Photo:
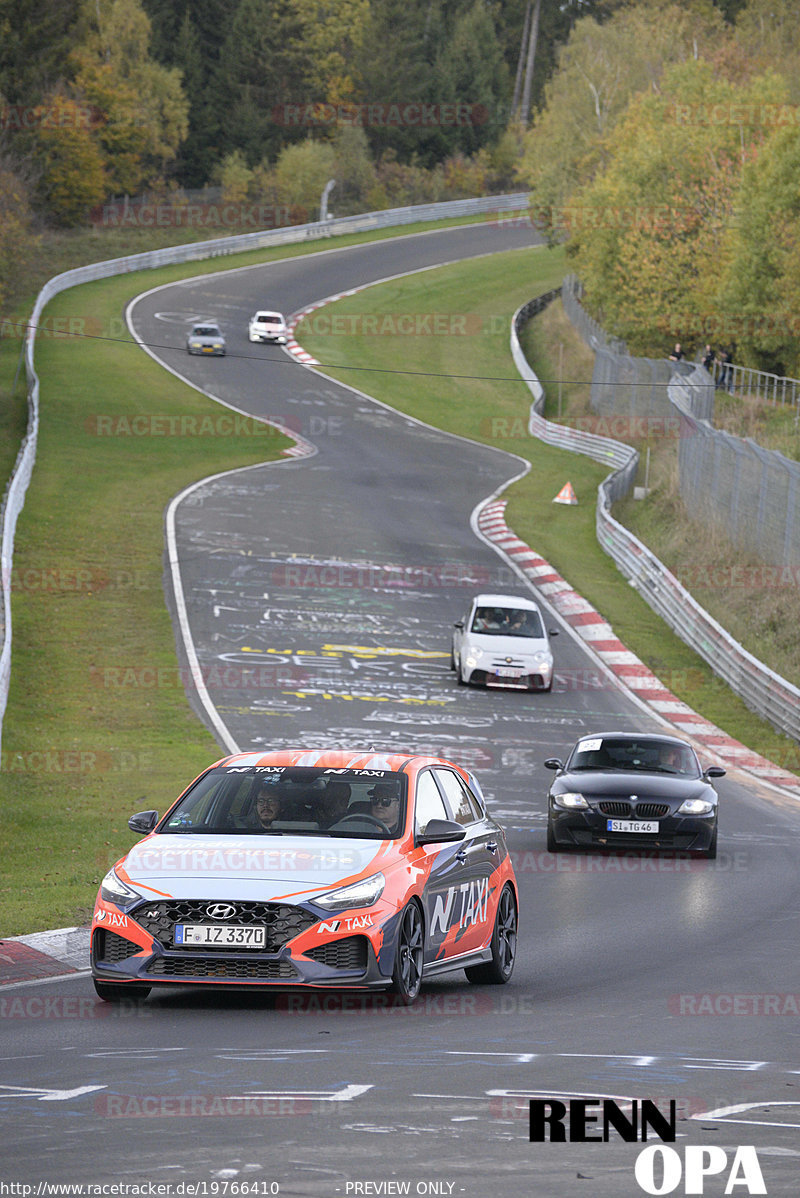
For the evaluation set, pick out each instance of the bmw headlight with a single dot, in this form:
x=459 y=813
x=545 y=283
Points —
x=696 y=807
x=359 y=894
x=114 y=890
x=571 y=801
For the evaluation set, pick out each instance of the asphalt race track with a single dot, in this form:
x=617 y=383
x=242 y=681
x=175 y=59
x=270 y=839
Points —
x=319 y=595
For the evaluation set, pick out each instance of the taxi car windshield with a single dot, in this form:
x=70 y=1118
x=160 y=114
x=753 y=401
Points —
x=291 y=800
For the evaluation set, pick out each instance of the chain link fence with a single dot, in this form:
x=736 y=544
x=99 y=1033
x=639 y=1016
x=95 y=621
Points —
x=765 y=692
x=751 y=494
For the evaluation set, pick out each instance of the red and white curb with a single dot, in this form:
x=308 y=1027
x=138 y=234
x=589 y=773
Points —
x=44 y=955
x=626 y=667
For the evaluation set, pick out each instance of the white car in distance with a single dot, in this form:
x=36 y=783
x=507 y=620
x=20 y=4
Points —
x=268 y=326
x=502 y=642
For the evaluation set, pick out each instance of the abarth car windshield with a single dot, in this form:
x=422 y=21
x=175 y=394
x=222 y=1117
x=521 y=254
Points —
x=507 y=621
x=292 y=800
x=628 y=753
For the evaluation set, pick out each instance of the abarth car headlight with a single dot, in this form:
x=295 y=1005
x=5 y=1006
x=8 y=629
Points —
x=359 y=894
x=571 y=801
x=114 y=890
x=696 y=807
x=473 y=657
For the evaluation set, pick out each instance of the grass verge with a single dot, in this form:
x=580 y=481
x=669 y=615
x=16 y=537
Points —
x=478 y=298
x=98 y=724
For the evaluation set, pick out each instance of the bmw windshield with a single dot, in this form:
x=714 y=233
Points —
x=628 y=753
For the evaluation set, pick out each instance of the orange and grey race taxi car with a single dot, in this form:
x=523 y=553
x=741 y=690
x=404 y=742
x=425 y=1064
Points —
x=318 y=869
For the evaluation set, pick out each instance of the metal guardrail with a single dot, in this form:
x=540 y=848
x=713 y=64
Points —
x=219 y=247
x=768 y=694
x=776 y=389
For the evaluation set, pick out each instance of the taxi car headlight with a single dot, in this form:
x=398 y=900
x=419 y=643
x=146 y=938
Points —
x=114 y=890
x=571 y=801
x=696 y=807
x=359 y=894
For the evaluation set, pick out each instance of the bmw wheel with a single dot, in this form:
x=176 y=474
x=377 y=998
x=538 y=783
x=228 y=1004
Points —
x=504 y=945
x=407 y=975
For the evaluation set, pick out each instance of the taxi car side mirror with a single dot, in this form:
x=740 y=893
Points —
x=143 y=821
x=439 y=831
x=554 y=763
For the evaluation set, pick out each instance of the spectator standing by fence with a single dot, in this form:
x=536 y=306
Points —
x=725 y=370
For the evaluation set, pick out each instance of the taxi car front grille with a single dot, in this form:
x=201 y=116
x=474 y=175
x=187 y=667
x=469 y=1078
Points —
x=348 y=953
x=111 y=948
x=282 y=920
x=624 y=810
x=230 y=968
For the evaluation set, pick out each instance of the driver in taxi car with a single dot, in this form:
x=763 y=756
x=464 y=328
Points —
x=384 y=802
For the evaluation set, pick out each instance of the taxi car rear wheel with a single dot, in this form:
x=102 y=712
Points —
x=120 y=992
x=407 y=975
x=504 y=945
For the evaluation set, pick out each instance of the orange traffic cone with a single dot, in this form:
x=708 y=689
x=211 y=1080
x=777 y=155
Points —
x=566 y=495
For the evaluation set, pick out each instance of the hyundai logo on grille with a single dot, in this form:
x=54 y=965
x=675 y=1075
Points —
x=221 y=911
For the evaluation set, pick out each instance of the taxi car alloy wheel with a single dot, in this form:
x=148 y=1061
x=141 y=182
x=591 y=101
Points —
x=407 y=976
x=504 y=945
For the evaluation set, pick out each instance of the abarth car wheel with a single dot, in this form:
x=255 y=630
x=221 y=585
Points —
x=504 y=945
x=407 y=976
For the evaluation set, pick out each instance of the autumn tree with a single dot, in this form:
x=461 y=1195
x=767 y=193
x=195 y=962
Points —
x=16 y=229
x=143 y=110
x=760 y=292
x=649 y=236
x=600 y=69
x=67 y=159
